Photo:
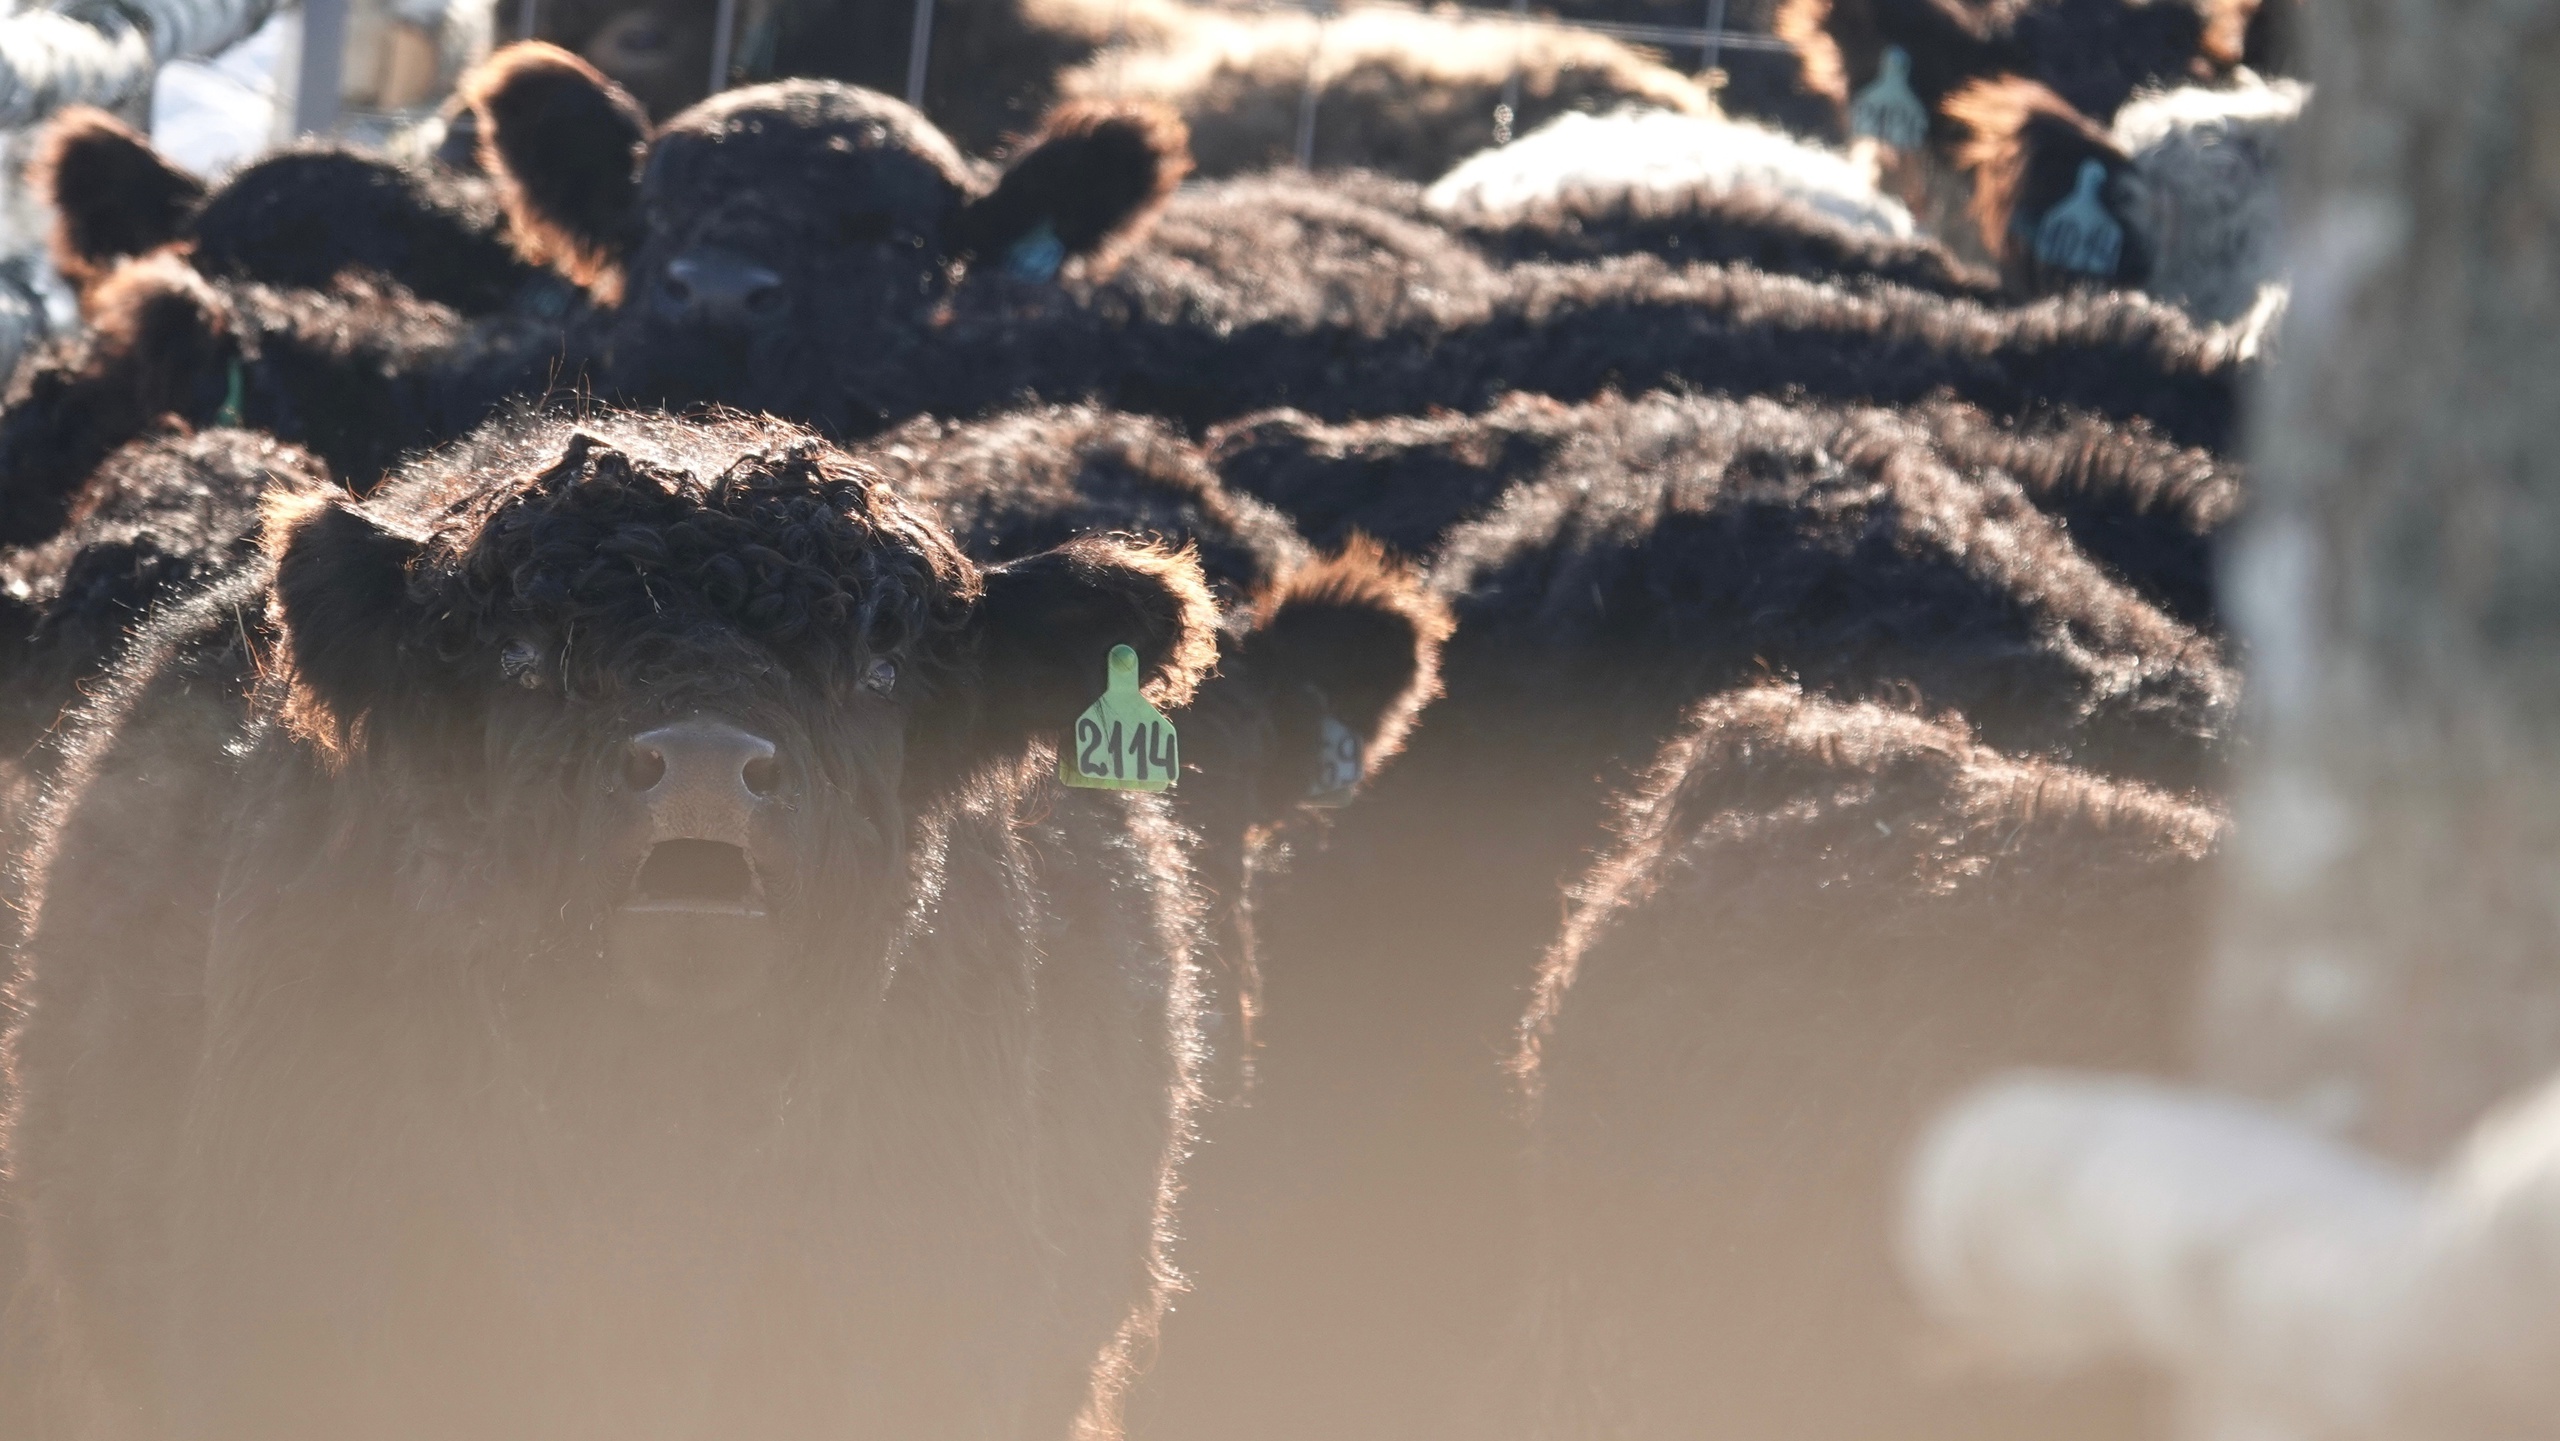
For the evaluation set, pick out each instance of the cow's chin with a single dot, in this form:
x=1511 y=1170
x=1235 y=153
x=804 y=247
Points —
x=693 y=932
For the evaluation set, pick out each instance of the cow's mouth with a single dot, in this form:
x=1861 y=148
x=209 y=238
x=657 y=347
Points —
x=696 y=877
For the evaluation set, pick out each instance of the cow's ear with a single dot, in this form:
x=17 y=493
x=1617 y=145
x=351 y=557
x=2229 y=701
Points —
x=1089 y=183
x=2025 y=146
x=566 y=147
x=1321 y=691
x=113 y=196
x=341 y=597
x=1039 y=641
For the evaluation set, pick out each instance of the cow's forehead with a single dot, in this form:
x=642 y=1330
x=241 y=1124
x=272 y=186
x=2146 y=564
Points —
x=804 y=133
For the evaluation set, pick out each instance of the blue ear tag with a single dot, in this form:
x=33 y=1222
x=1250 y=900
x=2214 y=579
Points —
x=1338 y=765
x=1036 y=256
x=235 y=381
x=2079 y=234
x=1887 y=110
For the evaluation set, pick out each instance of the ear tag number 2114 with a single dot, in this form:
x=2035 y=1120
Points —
x=1121 y=743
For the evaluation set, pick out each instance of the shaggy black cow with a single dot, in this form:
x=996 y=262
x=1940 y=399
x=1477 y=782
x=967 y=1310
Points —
x=167 y=517
x=2144 y=508
x=297 y=219
x=794 y=248
x=1816 y=923
x=1356 y=1222
x=360 y=373
x=1324 y=663
x=582 y=943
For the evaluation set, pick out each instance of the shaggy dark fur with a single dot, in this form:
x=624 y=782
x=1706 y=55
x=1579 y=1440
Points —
x=2150 y=511
x=359 y=373
x=297 y=219
x=1816 y=923
x=1758 y=228
x=2142 y=507
x=1405 y=480
x=160 y=520
x=1253 y=294
x=1312 y=649
x=1357 y=1221
x=356 y=1100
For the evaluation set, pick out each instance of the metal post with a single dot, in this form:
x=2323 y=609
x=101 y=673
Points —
x=1307 y=97
x=724 y=38
x=919 y=50
x=321 y=73
x=1506 y=117
x=1715 y=36
x=528 y=15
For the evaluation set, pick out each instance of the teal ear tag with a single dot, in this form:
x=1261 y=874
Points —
x=1121 y=743
x=1037 y=255
x=234 y=383
x=2079 y=234
x=1887 y=110
x=1339 y=765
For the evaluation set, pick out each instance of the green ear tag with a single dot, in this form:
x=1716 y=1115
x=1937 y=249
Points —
x=2079 y=234
x=235 y=382
x=1887 y=110
x=1338 y=765
x=1121 y=743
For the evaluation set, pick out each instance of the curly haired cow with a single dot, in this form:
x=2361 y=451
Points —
x=1357 y=1221
x=2146 y=509
x=2192 y=178
x=1325 y=663
x=582 y=942
x=165 y=517
x=1816 y=921
x=360 y=373
x=296 y=220
x=794 y=248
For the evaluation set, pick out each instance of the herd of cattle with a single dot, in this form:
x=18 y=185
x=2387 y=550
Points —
x=536 y=687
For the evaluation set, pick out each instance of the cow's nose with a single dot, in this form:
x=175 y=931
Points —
x=718 y=287
x=701 y=779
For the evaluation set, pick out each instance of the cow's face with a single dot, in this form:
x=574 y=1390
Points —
x=771 y=243
x=656 y=700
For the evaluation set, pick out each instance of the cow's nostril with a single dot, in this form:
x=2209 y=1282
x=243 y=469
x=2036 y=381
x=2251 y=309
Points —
x=643 y=766
x=763 y=776
x=765 y=299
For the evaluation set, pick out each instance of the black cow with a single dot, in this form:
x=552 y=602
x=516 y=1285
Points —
x=582 y=943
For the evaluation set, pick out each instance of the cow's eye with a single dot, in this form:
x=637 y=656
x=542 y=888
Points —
x=521 y=662
x=881 y=678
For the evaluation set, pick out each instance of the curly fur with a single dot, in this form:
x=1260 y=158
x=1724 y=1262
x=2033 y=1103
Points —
x=1670 y=547
x=359 y=372
x=297 y=219
x=1259 y=292
x=2144 y=508
x=1351 y=638
x=1815 y=922
x=334 y=886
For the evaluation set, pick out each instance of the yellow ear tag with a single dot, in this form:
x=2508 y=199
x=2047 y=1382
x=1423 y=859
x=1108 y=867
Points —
x=1121 y=743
